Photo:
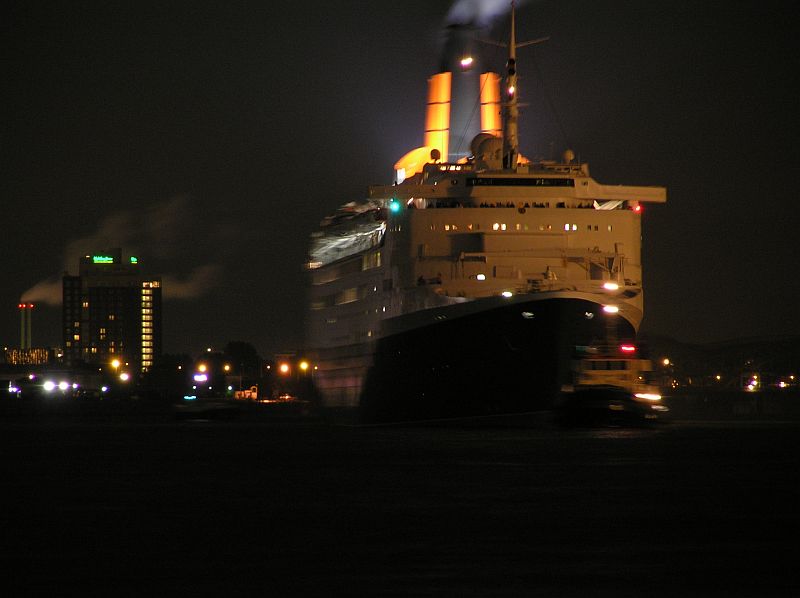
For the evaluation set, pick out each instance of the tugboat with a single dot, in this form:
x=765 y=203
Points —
x=612 y=384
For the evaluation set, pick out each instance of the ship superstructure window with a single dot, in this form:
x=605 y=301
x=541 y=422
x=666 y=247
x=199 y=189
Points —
x=347 y=296
x=520 y=182
x=570 y=227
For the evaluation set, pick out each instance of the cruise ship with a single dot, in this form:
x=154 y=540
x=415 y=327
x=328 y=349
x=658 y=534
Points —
x=465 y=286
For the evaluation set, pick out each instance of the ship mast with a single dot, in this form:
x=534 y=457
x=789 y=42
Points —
x=510 y=106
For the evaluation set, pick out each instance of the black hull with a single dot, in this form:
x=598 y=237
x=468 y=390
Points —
x=510 y=359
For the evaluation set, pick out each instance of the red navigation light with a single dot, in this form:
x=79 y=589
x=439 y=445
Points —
x=30 y=305
x=627 y=348
x=637 y=208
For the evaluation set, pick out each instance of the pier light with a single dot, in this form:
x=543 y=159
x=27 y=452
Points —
x=284 y=368
x=63 y=385
x=49 y=385
x=666 y=361
x=303 y=365
x=124 y=376
x=466 y=62
x=202 y=367
x=115 y=363
x=507 y=294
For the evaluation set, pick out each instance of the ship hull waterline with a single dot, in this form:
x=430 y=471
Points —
x=512 y=358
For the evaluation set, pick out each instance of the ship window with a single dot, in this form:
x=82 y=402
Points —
x=609 y=228
x=595 y=227
x=347 y=296
x=496 y=226
x=518 y=226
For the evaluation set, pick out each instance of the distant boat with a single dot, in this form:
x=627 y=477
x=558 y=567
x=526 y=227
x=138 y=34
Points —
x=464 y=287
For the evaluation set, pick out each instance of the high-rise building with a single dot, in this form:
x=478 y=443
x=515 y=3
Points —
x=111 y=312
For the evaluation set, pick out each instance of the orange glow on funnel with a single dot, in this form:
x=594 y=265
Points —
x=490 y=104
x=437 y=117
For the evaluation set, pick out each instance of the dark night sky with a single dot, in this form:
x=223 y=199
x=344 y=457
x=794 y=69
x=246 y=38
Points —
x=211 y=139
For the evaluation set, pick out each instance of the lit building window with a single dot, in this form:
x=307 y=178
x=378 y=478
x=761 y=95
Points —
x=85 y=304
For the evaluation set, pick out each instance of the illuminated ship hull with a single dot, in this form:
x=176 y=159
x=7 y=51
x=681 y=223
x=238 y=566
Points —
x=464 y=288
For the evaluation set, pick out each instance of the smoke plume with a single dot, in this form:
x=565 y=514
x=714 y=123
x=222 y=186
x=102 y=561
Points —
x=478 y=13
x=167 y=235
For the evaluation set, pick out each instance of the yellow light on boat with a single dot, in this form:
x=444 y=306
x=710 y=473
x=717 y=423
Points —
x=284 y=368
x=648 y=396
x=303 y=365
x=507 y=294
x=611 y=309
x=610 y=286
